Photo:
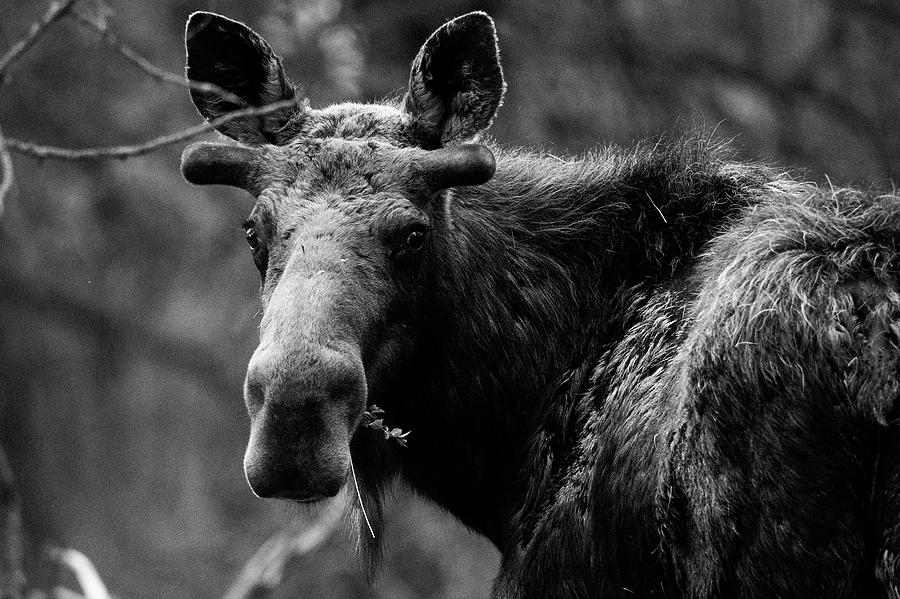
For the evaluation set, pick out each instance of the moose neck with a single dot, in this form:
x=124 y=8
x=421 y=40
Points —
x=533 y=266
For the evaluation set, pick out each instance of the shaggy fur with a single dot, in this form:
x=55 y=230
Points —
x=644 y=373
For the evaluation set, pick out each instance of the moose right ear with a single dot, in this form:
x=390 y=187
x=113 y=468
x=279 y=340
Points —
x=236 y=58
x=456 y=82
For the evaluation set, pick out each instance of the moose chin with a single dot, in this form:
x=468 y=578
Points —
x=652 y=372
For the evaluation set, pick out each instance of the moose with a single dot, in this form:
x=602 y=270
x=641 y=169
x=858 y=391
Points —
x=646 y=372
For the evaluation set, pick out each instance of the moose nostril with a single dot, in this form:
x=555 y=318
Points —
x=254 y=395
x=255 y=383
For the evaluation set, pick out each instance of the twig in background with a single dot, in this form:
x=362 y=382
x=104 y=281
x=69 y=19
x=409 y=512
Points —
x=12 y=574
x=6 y=176
x=263 y=573
x=113 y=41
x=58 y=10
x=55 y=11
x=92 y=586
x=58 y=592
x=105 y=153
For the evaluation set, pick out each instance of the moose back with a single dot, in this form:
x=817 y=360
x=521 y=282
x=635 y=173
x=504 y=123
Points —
x=653 y=372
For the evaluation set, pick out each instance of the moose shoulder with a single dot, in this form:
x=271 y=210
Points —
x=655 y=372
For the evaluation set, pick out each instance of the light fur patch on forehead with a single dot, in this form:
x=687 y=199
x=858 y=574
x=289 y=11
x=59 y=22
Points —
x=355 y=121
x=338 y=167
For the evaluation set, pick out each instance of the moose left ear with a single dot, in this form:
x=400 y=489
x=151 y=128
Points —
x=456 y=82
x=236 y=58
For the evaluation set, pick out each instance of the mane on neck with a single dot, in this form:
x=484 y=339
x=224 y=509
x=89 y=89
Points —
x=536 y=270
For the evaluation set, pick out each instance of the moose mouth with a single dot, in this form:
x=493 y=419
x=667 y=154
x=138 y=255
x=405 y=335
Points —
x=304 y=472
x=286 y=494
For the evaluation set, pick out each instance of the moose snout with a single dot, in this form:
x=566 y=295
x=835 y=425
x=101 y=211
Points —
x=303 y=406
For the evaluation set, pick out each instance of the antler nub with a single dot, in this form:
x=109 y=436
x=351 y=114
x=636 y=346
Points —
x=466 y=164
x=207 y=163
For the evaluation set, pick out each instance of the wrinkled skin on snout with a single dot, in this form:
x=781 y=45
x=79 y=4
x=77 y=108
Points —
x=326 y=288
x=306 y=385
x=348 y=216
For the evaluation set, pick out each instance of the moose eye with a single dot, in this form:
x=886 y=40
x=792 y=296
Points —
x=416 y=240
x=252 y=239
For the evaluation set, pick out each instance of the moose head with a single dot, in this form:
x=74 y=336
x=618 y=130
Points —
x=347 y=230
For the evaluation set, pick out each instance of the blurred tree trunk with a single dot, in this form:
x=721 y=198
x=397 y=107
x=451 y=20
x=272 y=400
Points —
x=12 y=577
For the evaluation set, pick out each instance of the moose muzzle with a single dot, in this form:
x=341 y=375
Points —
x=303 y=403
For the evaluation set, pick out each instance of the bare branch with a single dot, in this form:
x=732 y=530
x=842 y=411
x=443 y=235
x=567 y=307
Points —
x=113 y=41
x=12 y=574
x=92 y=586
x=6 y=176
x=55 y=11
x=61 y=592
x=263 y=573
x=105 y=153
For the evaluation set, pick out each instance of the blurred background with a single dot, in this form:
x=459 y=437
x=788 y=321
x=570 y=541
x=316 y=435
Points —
x=128 y=297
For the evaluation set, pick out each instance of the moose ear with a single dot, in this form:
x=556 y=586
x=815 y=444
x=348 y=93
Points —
x=237 y=59
x=456 y=82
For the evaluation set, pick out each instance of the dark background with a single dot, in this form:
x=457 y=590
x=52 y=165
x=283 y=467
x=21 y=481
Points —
x=129 y=298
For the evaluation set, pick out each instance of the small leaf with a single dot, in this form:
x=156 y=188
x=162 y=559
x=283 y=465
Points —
x=395 y=432
x=376 y=424
x=402 y=441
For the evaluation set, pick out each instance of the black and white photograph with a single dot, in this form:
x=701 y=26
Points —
x=392 y=299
